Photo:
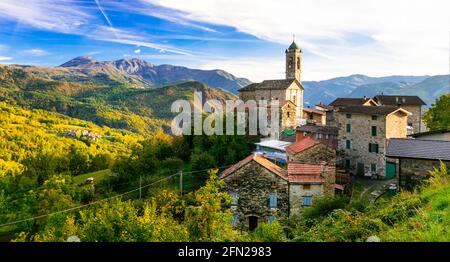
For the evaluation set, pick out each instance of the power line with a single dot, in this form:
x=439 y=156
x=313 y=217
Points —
x=85 y=205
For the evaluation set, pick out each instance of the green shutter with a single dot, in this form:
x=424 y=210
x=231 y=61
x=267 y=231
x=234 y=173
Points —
x=374 y=117
x=370 y=147
x=376 y=148
x=349 y=128
x=373 y=167
x=349 y=115
x=347 y=144
x=374 y=130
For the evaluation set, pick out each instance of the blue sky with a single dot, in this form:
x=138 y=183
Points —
x=246 y=38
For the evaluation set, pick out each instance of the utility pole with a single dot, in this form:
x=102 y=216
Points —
x=140 y=187
x=181 y=183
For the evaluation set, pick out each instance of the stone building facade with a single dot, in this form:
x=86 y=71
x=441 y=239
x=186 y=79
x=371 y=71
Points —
x=307 y=182
x=363 y=133
x=255 y=181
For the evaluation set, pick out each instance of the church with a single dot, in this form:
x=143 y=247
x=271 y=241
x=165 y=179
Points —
x=288 y=91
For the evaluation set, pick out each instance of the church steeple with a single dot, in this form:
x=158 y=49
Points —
x=293 y=61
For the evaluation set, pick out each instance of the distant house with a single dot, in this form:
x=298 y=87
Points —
x=441 y=134
x=327 y=134
x=412 y=104
x=314 y=116
x=273 y=149
x=311 y=151
x=263 y=192
x=363 y=134
x=344 y=102
x=417 y=158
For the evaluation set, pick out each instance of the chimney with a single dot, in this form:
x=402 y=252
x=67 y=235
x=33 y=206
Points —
x=365 y=97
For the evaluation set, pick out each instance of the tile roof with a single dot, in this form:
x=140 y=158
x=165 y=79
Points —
x=306 y=173
x=301 y=145
x=330 y=130
x=399 y=100
x=422 y=149
x=260 y=160
x=270 y=84
x=370 y=110
x=344 y=101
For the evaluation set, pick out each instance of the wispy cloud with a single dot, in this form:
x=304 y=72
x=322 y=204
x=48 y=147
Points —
x=61 y=16
x=35 y=52
x=5 y=58
x=137 y=51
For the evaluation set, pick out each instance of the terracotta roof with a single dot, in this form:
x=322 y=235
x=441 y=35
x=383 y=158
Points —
x=301 y=145
x=306 y=173
x=330 y=130
x=315 y=111
x=371 y=110
x=260 y=160
x=399 y=100
x=349 y=101
x=270 y=84
x=421 y=149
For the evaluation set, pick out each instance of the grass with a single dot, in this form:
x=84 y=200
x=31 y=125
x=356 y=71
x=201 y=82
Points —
x=98 y=176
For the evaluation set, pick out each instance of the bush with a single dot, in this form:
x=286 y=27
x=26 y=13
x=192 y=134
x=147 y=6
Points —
x=323 y=206
x=268 y=233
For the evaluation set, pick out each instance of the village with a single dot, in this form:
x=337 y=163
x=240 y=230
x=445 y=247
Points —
x=379 y=141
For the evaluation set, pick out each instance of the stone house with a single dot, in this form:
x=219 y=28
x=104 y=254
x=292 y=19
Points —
x=259 y=191
x=441 y=134
x=363 y=134
x=311 y=151
x=288 y=91
x=314 y=116
x=412 y=104
x=327 y=134
x=342 y=102
x=262 y=191
x=416 y=158
x=307 y=182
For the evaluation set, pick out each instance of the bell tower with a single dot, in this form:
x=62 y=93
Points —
x=293 y=61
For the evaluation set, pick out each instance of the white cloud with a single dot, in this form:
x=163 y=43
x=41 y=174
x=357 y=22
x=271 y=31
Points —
x=137 y=51
x=5 y=58
x=339 y=37
x=35 y=52
x=62 y=16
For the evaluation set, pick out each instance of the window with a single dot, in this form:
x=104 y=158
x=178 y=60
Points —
x=349 y=128
x=306 y=187
x=272 y=201
x=373 y=148
x=288 y=114
x=347 y=163
x=374 y=117
x=273 y=184
x=349 y=115
x=307 y=200
x=235 y=182
x=298 y=62
x=235 y=219
x=374 y=130
x=234 y=199
x=271 y=219
x=347 y=144
x=373 y=168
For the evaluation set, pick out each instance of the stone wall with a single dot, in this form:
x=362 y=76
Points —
x=297 y=192
x=413 y=172
x=360 y=137
x=314 y=155
x=288 y=116
x=254 y=185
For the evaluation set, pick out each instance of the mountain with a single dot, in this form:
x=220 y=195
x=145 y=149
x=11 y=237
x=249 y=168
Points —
x=137 y=71
x=140 y=110
x=427 y=87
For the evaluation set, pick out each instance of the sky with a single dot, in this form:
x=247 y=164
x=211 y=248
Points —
x=246 y=38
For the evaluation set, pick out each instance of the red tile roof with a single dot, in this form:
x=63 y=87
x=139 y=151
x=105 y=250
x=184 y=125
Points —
x=302 y=145
x=306 y=173
x=260 y=160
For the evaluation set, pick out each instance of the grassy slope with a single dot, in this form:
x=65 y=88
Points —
x=98 y=176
